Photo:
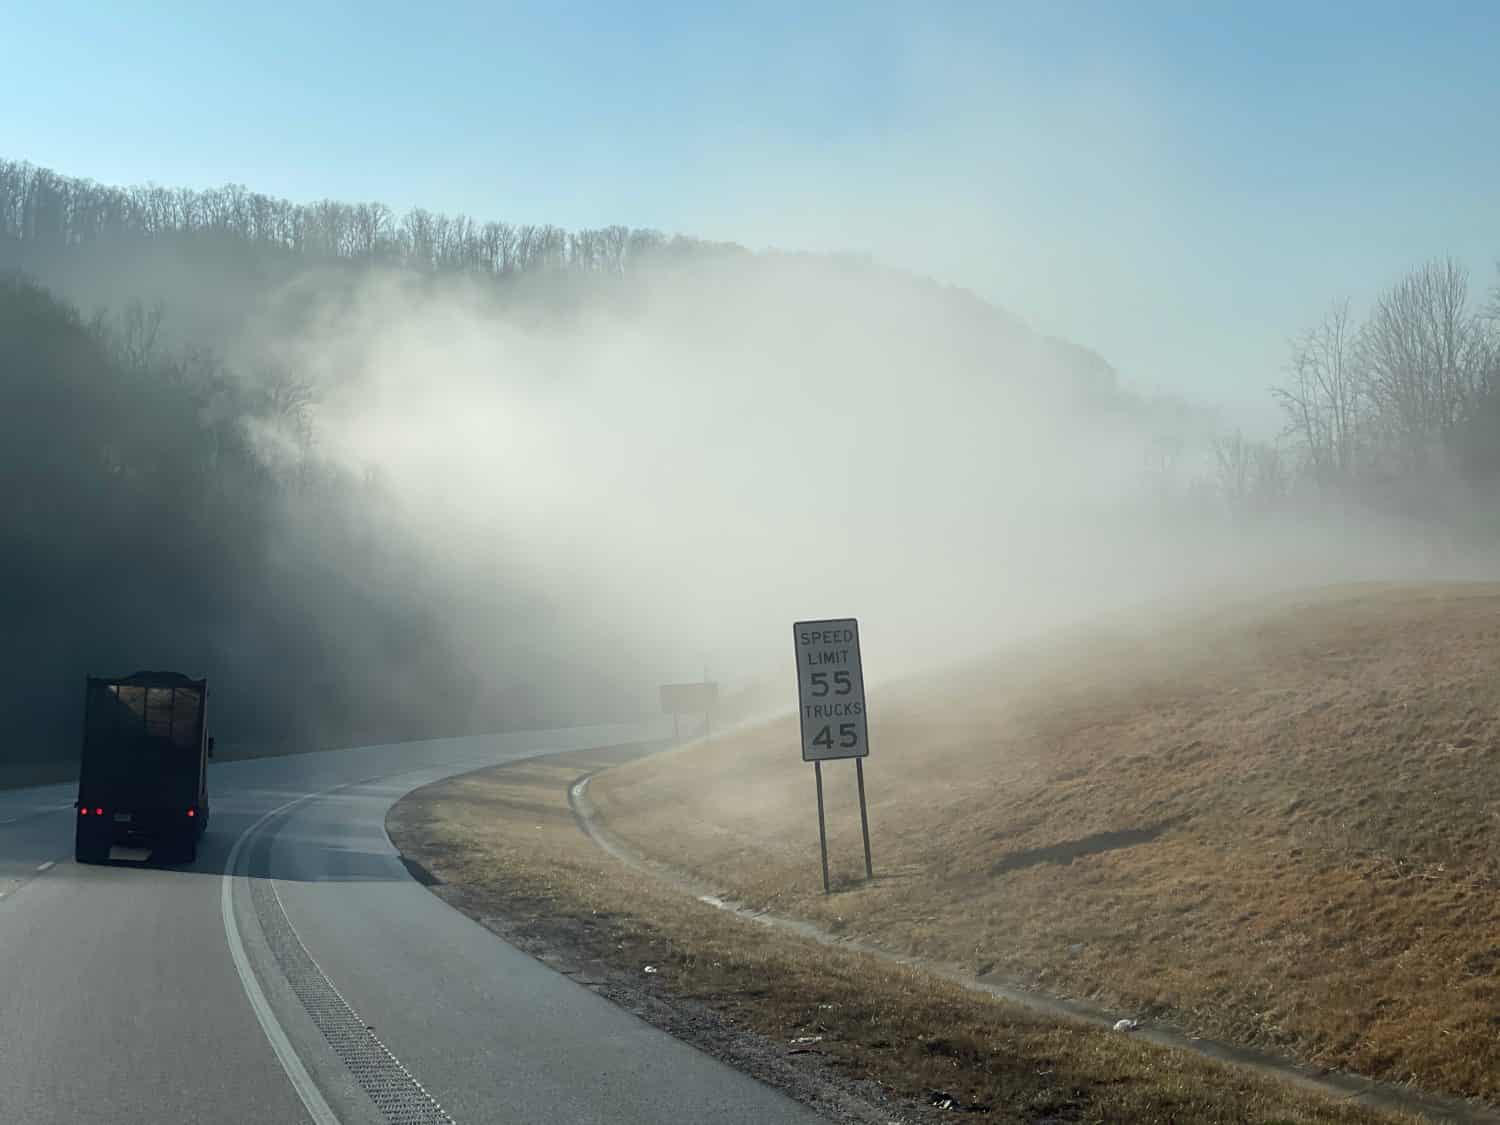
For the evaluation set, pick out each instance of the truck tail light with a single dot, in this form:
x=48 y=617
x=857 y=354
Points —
x=98 y=812
x=83 y=811
x=192 y=812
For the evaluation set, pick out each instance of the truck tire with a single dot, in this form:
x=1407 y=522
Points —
x=179 y=848
x=89 y=844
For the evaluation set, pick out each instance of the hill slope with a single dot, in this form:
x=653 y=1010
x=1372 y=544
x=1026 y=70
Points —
x=1277 y=824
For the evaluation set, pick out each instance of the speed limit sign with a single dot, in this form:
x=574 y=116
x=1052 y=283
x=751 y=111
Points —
x=830 y=690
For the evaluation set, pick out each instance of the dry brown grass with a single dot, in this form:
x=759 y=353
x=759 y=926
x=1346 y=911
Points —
x=508 y=848
x=1278 y=825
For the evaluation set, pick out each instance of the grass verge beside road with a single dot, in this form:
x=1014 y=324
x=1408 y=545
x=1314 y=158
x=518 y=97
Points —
x=854 y=1035
x=1277 y=825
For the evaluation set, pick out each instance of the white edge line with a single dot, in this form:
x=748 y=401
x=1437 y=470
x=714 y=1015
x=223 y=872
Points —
x=399 y=1065
x=312 y=1098
x=302 y=1082
x=44 y=866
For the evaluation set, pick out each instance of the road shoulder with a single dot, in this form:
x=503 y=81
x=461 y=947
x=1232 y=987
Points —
x=857 y=1038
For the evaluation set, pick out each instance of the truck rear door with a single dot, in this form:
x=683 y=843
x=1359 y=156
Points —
x=144 y=747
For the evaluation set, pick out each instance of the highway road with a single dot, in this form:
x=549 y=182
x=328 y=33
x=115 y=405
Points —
x=296 y=972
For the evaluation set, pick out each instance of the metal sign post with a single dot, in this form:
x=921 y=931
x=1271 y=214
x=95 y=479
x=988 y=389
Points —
x=699 y=698
x=831 y=705
x=864 y=818
x=822 y=825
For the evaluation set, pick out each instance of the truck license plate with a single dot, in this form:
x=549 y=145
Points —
x=122 y=818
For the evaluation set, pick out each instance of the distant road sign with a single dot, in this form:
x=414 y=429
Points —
x=688 y=699
x=830 y=690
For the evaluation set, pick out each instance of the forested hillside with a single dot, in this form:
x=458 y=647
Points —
x=383 y=476
x=145 y=528
x=176 y=495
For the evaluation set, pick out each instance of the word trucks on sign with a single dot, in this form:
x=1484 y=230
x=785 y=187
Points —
x=830 y=690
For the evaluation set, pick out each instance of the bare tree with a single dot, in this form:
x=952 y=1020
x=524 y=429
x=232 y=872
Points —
x=1425 y=354
x=1162 y=455
x=1250 y=476
x=614 y=240
x=526 y=246
x=290 y=398
x=418 y=235
x=500 y=246
x=136 y=338
x=1476 y=444
x=1323 y=399
x=1234 y=462
x=1491 y=336
x=1271 y=481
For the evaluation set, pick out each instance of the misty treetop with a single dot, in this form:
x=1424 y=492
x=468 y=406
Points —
x=50 y=211
x=208 y=252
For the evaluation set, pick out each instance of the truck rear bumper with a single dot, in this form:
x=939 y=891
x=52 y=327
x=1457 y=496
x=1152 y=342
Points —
x=134 y=828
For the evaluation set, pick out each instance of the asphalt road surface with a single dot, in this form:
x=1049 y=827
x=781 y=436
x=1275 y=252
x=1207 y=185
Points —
x=315 y=982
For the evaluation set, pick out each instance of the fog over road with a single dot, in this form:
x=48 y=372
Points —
x=320 y=982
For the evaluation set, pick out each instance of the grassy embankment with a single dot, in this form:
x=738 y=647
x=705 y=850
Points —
x=1276 y=826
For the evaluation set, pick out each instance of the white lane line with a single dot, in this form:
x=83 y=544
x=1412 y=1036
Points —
x=318 y=1108
x=44 y=866
x=38 y=811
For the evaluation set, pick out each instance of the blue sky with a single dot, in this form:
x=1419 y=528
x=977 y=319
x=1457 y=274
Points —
x=1179 y=186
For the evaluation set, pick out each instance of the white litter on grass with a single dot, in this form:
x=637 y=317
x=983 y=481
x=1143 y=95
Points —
x=650 y=969
x=1126 y=1025
x=802 y=1039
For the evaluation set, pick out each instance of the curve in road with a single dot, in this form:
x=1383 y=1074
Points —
x=297 y=972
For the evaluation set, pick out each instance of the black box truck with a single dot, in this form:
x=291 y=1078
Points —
x=143 y=776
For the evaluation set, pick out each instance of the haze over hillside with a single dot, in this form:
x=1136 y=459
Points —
x=1269 y=823
x=383 y=477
